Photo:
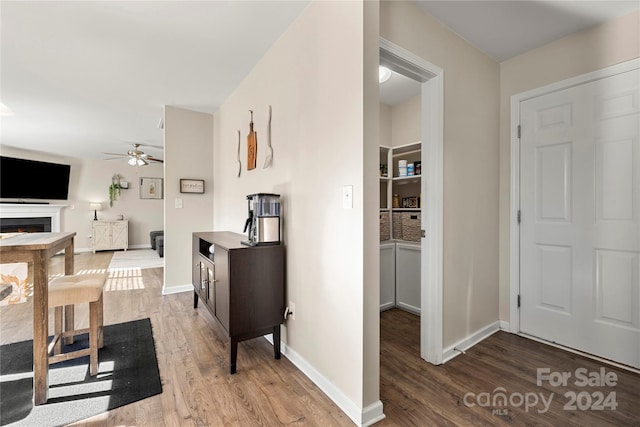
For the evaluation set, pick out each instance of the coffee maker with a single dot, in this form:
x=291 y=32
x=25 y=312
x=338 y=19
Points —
x=263 y=224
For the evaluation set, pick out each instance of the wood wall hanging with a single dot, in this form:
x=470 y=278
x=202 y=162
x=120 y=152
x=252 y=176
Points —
x=252 y=145
x=239 y=162
x=269 y=152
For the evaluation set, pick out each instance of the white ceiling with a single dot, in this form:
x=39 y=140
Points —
x=86 y=77
x=398 y=89
x=89 y=77
x=504 y=29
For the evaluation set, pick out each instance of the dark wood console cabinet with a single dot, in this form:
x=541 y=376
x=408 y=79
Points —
x=241 y=286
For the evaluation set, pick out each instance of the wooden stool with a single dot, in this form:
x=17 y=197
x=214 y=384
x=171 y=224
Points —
x=68 y=291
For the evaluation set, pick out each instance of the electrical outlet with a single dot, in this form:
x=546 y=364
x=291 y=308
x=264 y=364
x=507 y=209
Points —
x=292 y=310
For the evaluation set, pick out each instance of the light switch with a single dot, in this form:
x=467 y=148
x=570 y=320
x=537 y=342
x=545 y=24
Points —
x=178 y=203
x=347 y=197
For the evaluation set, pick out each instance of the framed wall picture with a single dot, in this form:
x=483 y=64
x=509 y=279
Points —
x=192 y=186
x=151 y=188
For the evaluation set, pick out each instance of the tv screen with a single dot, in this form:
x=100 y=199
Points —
x=31 y=179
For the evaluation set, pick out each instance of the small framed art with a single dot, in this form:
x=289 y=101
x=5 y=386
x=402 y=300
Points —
x=192 y=186
x=151 y=188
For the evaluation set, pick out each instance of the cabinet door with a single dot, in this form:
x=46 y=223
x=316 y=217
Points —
x=387 y=276
x=101 y=235
x=222 y=287
x=204 y=277
x=408 y=277
x=119 y=235
x=211 y=286
x=195 y=273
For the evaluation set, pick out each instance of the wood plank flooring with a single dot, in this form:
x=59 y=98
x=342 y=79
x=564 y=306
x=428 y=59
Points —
x=192 y=355
x=417 y=393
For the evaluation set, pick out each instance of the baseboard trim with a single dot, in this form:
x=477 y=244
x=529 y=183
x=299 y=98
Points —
x=505 y=326
x=361 y=417
x=473 y=339
x=146 y=246
x=372 y=414
x=168 y=290
x=409 y=308
x=79 y=250
x=387 y=306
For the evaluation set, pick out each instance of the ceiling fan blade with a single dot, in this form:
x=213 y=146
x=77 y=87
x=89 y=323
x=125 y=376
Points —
x=153 y=159
x=113 y=158
x=115 y=154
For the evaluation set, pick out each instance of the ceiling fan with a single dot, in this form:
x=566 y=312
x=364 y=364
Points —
x=136 y=157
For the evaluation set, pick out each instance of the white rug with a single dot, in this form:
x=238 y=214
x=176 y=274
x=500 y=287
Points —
x=137 y=258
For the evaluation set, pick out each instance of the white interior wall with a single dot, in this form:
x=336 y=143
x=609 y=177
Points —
x=188 y=150
x=471 y=117
x=371 y=405
x=385 y=125
x=313 y=79
x=406 y=122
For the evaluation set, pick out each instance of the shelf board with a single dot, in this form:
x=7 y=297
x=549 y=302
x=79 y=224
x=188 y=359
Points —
x=405 y=153
x=406 y=209
x=407 y=179
x=414 y=147
x=404 y=242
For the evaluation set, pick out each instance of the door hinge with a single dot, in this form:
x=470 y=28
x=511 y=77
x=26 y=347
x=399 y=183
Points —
x=519 y=216
x=423 y=233
x=518 y=300
x=519 y=131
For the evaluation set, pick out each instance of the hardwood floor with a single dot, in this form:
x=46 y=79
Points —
x=193 y=360
x=415 y=392
x=192 y=353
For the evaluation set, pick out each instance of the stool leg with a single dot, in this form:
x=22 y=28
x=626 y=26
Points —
x=100 y=311
x=57 y=329
x=69 y=322
x=93 y=338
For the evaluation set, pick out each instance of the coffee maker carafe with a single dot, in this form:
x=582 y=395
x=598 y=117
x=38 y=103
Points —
x=263 y=224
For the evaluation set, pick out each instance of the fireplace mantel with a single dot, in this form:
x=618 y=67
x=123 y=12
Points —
x=26 y=210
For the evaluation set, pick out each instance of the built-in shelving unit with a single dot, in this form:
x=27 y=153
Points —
x=400 y=229
x=405 y=187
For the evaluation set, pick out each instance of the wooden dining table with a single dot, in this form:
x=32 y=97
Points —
x=36 y=249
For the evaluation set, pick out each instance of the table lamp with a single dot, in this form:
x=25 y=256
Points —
x=95 y=207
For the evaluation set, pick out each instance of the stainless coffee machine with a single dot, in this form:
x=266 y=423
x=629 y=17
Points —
x=263 y=224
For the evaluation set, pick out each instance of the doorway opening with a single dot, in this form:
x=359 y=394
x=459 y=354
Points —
x=416 y=237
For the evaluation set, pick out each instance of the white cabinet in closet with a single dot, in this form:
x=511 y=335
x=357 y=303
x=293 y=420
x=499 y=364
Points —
x=387 y=275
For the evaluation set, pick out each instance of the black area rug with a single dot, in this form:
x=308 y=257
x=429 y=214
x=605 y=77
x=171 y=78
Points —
x=127 y=372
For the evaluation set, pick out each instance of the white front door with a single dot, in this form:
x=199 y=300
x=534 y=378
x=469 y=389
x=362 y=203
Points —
x=580 y=210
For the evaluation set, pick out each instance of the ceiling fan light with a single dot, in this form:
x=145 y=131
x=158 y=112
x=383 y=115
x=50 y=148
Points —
x=132 y=161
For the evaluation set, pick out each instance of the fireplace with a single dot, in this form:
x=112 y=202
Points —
x=25 y=225
x=29 y=218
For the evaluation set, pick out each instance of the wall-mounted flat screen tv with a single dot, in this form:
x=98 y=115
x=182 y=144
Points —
x=31 y=179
